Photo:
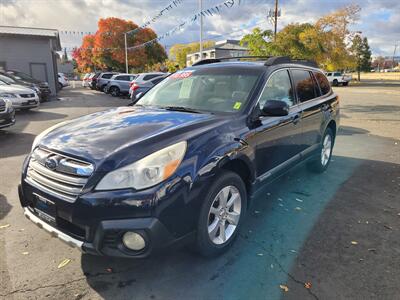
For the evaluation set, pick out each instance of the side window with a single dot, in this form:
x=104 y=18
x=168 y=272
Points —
x=338 y=74
x=132 y=77
x=323 y=83
x=278 y=88
x=148 y=77
x=124 y=78
x=107 y=76
x=304 y=85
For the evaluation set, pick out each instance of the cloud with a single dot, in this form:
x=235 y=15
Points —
x=379 y=20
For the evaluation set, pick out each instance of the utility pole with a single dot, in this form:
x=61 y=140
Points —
x=394 y=53
x=275 y=19
x=201 y=28
x=126 y=55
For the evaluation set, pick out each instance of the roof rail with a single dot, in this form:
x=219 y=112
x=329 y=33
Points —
x=215 y=60
x=269 y=60
x=276 y=60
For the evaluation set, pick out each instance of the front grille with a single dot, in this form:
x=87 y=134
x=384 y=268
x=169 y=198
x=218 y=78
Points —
x=58 y=175
x=2 y=105
x=27 y=95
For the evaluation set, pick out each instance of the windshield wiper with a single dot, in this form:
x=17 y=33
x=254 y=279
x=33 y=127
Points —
x=181 y=108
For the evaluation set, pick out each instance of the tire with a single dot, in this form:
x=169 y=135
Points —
x=346 y=83
x=60 y=86
x=321 y=163
x=335 y=82
x=114 y=91
x=210 y=239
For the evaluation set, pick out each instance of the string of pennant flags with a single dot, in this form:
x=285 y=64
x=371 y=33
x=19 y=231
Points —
x=208 y=12
x=170 y=6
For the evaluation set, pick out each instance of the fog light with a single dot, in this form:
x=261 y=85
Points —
x=133 y=241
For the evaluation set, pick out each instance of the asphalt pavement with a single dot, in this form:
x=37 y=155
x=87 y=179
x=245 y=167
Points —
x=329 y=236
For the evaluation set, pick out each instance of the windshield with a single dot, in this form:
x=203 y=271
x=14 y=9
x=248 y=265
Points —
x=6 y=79
x=213 y=90
x=20 y=75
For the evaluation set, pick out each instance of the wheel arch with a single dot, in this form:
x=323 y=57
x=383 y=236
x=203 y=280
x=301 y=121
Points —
x=244 y=170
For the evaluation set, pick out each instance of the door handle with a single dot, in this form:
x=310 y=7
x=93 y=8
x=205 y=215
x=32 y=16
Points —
x=296 y=119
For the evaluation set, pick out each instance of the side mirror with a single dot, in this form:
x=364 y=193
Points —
x=275 y=108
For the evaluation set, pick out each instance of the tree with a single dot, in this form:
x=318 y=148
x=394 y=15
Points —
x=362 y=54
x=178 y=52
x=106 y=48
x=259 y=42
x=365 y=56
x=324 y=41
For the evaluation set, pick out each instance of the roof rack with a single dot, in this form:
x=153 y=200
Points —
x=216 y=60
x=269 y=60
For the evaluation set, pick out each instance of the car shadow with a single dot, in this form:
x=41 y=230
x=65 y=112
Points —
x=349 y=130
x=282 y=219
x=15 y=143
x=5 y=207
x=38 y=115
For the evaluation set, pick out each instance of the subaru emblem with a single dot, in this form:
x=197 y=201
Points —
x=51 y=163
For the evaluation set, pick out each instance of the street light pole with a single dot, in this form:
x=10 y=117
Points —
x=126 y=55
x=201 y=28
x=276 y=19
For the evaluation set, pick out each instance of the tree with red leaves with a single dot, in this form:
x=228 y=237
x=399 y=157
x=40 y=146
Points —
x=105 y=50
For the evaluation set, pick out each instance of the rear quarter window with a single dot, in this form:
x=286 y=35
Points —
x=323 y=83
x=148 y=77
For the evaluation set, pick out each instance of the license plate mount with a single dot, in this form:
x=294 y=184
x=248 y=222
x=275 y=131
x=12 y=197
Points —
x=45 y=209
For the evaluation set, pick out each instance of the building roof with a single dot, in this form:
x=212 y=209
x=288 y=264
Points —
x=29 y=31
x=223 y=45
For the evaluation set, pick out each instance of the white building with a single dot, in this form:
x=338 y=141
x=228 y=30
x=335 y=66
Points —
x=226 y=48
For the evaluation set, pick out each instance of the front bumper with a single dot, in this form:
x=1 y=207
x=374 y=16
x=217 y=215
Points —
x=98 y=236
x=7 y=118
x=26 y=104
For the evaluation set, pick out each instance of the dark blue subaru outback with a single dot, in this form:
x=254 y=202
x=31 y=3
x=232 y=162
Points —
x=181 y=164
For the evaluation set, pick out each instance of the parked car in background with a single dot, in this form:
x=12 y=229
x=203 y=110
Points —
x=102 y=80
x=144 y=77
x=119 y=84
x=92 y=80
x=45 y=91
x=62 y=80
x=21 y=97
x=336 y=78
x=85 y=80
x=144 y=86
x=7 y=113
x=11 y=80
x=183 y=163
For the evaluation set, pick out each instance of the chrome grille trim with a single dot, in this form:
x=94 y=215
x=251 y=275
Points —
x=66 y=181
x=72 y=180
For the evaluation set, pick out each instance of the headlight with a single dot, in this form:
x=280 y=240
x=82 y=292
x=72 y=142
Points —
x=8 y=95
x=146 y=172
x=39 y=137
x=8 y=103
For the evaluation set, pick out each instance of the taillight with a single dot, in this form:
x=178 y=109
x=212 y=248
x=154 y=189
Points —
x=131 y=83
x=134 y=87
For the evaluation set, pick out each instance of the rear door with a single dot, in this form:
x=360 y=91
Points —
x=311 y=102
x=278 y=138
x=123 y=82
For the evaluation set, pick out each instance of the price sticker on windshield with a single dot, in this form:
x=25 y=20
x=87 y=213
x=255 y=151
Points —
x=237 y=105
x=182 y=74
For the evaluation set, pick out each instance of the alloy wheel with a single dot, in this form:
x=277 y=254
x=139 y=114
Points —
x=224 y=215
x=326 y=150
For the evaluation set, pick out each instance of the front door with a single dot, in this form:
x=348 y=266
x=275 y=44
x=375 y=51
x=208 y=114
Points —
x=278 y=138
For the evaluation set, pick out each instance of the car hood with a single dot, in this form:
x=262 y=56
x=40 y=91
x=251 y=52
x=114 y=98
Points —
x=15 y=88
x=126 y=131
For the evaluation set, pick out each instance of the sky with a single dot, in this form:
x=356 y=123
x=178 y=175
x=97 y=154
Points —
x=379 y=19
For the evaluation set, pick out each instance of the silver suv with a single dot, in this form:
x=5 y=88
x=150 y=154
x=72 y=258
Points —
x=103 y=79
x=119 y=84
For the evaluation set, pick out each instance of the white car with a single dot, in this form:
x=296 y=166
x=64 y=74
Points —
x=85 y=82
x=143 y=78
x=62 y=80
x=336 y=78
x=20 y=96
